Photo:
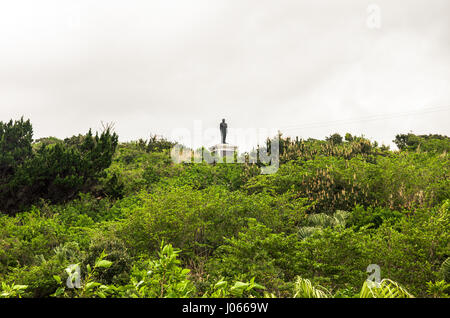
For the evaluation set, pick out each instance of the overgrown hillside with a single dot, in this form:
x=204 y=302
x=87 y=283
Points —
x=139 y=225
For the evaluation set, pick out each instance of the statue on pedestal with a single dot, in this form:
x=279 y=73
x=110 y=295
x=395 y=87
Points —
x=223 y=149
x=223 y=131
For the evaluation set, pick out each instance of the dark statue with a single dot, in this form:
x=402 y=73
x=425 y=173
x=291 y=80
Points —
x=223 y=130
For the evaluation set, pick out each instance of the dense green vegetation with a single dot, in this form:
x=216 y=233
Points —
x=139 y=225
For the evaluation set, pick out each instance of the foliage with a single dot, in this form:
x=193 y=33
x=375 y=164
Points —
x=334 y=139
x=445 y=270
x=439 y=289
x=385 y=289
x=318 y=221
x=117 y=253
x=311 y=229
x=89 y=288
x=15 y=145
x=155 y=144
x=372 y=217
x=198 y=220
x=400 y=181
x=55 y=172
x=304 y=150
x=416 y=244
x=38 y=274
x=163 y=278
x=12 y=291
x=222 y=289
x=256 y=251
x=46 y=141
x=304 y=289
x=432 y=143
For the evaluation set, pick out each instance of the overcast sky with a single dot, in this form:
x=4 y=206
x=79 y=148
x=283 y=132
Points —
x=308 y=68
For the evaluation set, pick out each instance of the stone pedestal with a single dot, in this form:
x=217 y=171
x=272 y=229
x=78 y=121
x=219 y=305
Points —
x=223 y=151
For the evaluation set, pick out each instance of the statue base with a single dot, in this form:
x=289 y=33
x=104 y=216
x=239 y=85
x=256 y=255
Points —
x=224 y=151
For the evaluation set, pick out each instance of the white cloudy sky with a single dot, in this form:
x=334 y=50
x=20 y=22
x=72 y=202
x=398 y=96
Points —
x=308 y=68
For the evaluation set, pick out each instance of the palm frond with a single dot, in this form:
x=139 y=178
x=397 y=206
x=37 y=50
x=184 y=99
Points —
x=340 y=218
x=303 y=288
x=445 y=270
x=307 y=231
x=320 y=219
x=385 y=289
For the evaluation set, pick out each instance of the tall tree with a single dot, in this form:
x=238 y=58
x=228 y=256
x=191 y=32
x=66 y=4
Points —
x=55 y=172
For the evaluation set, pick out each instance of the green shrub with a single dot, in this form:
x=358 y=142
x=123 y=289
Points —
x=56 y=172
x=39 y=275
x=197 y=220
x=257 y=252
x=118 y=272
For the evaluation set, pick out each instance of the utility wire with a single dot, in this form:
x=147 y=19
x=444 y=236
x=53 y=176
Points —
x=363 y=119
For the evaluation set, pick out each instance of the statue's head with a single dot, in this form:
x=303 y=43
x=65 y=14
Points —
x=223 y=120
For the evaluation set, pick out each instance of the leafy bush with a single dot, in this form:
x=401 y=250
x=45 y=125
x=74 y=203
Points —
x=118 y=272
x=311 y=229
x=12 y=291
x=432 y=143
x=372 y=217
x=198 y=220
x=38 y=276
x=89 y=288
x=438 y=289
x=163 y=278
x=54 y=172
x=400 y=181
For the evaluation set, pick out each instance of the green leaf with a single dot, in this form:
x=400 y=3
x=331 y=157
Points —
x=59 y=292
x=220 y=284
x=238 y=288
x=258 y=286
x=91 y=285
x=185 y=271
x=101 y=294
x=103 y=263
x=57 y=278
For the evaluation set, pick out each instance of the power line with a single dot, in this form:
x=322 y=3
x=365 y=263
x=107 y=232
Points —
x=363 y=119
